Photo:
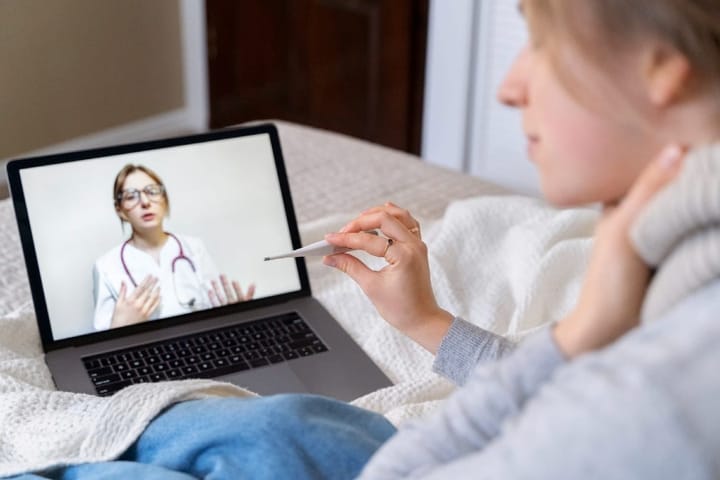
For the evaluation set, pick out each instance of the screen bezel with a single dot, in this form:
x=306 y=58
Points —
x=14 y=167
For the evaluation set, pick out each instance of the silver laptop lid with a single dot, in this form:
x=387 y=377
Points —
x=215 y=203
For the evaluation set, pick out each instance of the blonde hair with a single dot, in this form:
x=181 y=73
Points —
x=691 y=27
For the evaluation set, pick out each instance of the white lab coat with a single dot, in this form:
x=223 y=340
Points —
x=108 y=273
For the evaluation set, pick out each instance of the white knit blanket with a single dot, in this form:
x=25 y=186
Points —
x=509 y=264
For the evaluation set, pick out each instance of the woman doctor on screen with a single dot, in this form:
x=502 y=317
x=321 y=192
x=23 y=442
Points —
x=154 y=273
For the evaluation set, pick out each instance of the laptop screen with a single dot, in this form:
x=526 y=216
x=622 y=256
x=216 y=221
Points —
x=156 y=231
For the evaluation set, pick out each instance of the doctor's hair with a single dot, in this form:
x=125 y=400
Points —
x=122 y=176
x=604 y=29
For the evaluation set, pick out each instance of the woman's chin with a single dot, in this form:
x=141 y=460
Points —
x=148 y=226
x=562 y=198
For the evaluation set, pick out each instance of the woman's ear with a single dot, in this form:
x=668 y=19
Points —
x=667 y=73
x=121 y=214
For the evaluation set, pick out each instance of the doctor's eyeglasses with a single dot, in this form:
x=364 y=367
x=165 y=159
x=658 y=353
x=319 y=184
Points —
x=131 y=197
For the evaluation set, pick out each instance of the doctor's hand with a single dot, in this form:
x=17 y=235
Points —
x=138 y=305
x=225 y=292
x=401 y=291
x=617 y=277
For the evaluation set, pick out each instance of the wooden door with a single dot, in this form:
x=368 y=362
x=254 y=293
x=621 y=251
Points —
x=352 y=66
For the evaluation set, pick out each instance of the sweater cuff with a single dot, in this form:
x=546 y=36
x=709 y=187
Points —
x=465 y=346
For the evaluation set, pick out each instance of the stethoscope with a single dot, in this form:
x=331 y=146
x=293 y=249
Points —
x=181 y=256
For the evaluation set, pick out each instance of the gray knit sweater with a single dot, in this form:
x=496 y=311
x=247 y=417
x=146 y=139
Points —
x=644 y=407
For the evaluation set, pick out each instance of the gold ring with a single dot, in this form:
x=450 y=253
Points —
x=415 y=230
x=387 y=247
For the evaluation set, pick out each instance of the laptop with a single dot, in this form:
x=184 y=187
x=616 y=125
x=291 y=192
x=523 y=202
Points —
x=146 y=263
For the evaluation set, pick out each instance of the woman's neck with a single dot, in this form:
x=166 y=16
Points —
x=148 y=240
x=693 y=123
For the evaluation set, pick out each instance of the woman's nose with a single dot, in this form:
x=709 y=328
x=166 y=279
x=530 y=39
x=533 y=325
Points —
x=144 y=199
x=513 y=89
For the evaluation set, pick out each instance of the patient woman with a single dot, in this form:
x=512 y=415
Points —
x=621 y=106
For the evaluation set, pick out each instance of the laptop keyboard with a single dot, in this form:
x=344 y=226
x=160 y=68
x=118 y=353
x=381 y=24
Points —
x=205 y=354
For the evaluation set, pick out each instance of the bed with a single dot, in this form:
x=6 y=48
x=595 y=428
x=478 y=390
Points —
x=508 y=263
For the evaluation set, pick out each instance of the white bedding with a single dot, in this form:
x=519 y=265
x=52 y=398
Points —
x=507 y=263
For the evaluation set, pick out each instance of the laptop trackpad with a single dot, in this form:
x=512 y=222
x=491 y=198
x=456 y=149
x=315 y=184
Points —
x=268 y=380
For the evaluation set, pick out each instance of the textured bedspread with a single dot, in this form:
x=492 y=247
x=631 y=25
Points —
x=507 y=263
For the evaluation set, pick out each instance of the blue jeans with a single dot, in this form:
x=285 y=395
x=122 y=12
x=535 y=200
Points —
x=282 y=436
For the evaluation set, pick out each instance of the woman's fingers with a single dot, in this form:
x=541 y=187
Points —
x=401 y=214
x=250 y=292
x=138 y=290
x=217 y=291
x=405 y=217
x=353 y=267
x=387 y=223
x=214 y=300
x=367 y=242
x=142 y=290
x=151 y=303
x=230 y=294
x=239 y=293
x=139 y=304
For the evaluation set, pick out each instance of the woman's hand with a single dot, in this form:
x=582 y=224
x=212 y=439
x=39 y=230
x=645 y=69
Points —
x=225 y=292
x=400 y=291
x=138 y=305
x=617 y=278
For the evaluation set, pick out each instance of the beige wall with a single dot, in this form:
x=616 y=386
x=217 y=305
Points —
x=74 y=67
